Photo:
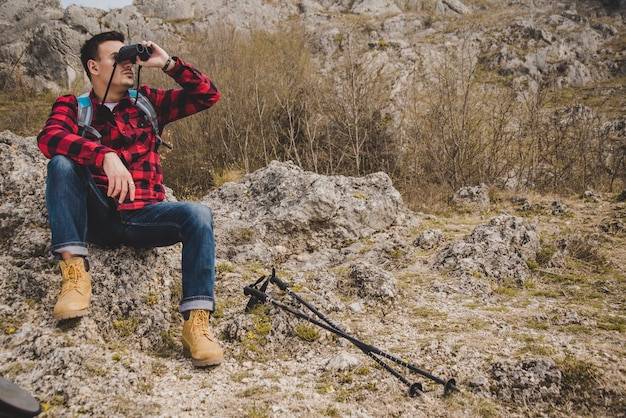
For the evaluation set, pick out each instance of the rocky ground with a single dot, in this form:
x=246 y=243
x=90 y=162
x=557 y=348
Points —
x=540 y=336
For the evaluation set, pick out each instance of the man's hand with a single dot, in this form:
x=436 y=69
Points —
x=120 y=181
x=158 y=59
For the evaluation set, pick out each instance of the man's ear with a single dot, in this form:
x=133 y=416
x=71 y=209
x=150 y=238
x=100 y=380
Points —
x=92 y=66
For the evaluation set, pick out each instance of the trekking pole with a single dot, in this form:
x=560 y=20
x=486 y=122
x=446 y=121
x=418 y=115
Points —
x=414 y=388
x=449 y=385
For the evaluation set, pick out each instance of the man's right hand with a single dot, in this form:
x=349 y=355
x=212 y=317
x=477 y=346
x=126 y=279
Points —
x=120 y=181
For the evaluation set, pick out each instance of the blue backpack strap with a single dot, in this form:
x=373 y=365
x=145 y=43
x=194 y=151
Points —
x=85 y=114
x=146 y=106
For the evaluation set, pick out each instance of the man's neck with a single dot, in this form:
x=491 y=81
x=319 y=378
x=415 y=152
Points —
x=111 y=97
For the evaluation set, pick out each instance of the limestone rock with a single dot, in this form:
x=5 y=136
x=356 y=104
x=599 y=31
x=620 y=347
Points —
x=284 y=207
x=495 y=251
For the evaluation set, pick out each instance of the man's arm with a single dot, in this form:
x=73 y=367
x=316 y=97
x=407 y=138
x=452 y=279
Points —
x=198 y=93
x=59 y=135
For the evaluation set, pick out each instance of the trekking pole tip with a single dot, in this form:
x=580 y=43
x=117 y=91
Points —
x=415 y=389
x=451 y=387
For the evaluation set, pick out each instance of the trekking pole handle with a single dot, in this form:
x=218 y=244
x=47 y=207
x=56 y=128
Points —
x=278 y=282
x=250 y=291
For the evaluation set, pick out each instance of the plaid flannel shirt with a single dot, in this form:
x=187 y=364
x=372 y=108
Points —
x=127 y=131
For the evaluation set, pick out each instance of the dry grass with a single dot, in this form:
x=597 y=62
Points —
x=24 y=112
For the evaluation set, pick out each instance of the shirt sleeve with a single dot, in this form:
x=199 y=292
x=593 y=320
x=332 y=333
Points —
x=196 y=94
x=59 y=135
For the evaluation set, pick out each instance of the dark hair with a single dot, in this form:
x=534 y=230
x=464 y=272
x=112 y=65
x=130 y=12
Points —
x=89 y=51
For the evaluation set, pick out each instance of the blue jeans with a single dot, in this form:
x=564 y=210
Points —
x=79 y=213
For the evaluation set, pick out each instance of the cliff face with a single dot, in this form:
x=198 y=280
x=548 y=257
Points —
x=528 y=40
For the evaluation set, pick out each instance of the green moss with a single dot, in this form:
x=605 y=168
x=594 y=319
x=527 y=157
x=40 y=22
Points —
x=532 y=264
x=246 y=234
x=262 y=324
x=307 y=333
x=577 y=374
x=546 y=293
x=425 y=312
x=331 y=411
x=126 y=326
x=487 y=409
x=612 y=323
x=256 y=411
x=224 y=268
x=152 y=298
x=545 y=254
x=395 y=254
x=538 y=325
x=505 y=291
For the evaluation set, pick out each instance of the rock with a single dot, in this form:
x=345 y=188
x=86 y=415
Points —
x=456 y=6
x=495 y=251
x=592 y=195
x=430 y=239
x=355 y=307
x=373 y=283
x=42 y=40
x=283 y=206
x=137 y=291
x=476 y=195
x=343 y=361
x=171 y=9
x=375 y=7
x=558 y=208
x=527 y=382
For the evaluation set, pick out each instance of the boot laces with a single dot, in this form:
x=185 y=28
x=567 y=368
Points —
x=71 y=275
x=201 y=324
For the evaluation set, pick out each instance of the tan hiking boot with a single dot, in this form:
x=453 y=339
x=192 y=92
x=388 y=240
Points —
x=198 y=343
x=75 y=291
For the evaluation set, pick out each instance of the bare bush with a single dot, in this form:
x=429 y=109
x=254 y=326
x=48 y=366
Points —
x=356 y=138
x=266 y=81
x=460 y=132
x=611 y=158
x=276 y=105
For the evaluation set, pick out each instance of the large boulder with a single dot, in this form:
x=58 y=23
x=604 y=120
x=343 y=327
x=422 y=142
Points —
x=132 y=288
x=281 y=210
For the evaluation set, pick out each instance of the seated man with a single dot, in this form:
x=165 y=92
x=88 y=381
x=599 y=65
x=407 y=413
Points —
x=105 y=183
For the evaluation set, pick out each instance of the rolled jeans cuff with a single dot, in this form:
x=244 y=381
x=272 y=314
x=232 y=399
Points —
x=204 y=303
x=78 y=249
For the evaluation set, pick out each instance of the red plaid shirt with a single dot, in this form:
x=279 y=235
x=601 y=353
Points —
x=127 y=131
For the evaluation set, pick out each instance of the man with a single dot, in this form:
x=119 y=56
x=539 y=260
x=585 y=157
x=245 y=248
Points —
x=109 y=190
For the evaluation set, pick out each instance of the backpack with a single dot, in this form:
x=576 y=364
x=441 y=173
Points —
x=85 y=115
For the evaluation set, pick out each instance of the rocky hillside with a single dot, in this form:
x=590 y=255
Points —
x=519 y=298
x=531 y=41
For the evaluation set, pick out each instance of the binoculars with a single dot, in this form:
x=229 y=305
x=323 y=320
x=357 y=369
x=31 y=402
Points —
x=130 y=53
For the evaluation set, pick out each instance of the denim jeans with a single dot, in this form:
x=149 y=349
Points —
x=79 y=213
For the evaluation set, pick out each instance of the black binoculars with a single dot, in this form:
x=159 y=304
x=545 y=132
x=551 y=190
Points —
x=130 y=53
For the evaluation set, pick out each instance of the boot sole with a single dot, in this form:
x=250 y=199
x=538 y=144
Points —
x=203 y=363
x=70 y=315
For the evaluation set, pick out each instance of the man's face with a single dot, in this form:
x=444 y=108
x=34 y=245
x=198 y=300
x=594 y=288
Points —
x=103 y=66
